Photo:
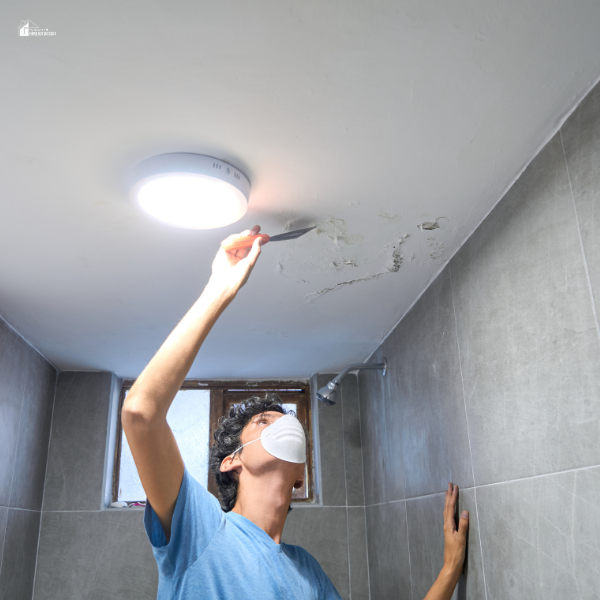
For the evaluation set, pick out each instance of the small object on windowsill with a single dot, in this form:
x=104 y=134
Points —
x=137 y=504
x=119 y=505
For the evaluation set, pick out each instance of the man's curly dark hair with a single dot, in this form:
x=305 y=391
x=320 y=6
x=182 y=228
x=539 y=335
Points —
x=227 y=440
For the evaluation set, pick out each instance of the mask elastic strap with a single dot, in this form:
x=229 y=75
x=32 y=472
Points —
x=236 y=451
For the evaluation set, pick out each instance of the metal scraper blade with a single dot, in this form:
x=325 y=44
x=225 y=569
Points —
x=290 y=235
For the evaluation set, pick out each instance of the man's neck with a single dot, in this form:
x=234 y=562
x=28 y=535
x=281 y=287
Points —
x=265 y=502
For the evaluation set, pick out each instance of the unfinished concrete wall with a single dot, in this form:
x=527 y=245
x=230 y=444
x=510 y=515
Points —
x=494 y=384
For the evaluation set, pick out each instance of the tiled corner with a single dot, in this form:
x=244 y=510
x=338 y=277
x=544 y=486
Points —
x=323 y=533
x=77 y=444
x=331 y=440
x=19 y=556
x=541 y=536
x=387 y=543
x=424 y=401
x=34 y=433
x=581 y=140
x=3 y=521
x=14 y=357
x=426 y=543
x=101 y=555
x=528 y=339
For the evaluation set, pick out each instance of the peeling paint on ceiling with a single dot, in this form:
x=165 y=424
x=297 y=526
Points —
x=369 y=122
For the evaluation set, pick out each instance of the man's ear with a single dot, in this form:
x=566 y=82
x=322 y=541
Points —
x=231 y=463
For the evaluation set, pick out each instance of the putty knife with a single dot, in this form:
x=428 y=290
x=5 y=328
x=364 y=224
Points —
x=248 y=240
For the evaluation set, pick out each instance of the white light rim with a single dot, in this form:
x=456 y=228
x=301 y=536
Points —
x=195 y=165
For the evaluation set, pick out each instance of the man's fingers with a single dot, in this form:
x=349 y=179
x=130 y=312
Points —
x=255 y=251
x=450 y=507
x=463 y=523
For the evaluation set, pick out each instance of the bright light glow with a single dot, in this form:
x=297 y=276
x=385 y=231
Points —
x=191 y=200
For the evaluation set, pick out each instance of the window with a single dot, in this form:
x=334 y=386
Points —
x=194 y=416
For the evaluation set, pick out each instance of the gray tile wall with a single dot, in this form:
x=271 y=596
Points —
x=78 y=443
x=27 y=383
x=494 y=384
x=88 y=552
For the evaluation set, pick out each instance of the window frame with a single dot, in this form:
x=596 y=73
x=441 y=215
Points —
x=222 y=395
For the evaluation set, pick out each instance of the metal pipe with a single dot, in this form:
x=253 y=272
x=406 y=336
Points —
x=328 y=393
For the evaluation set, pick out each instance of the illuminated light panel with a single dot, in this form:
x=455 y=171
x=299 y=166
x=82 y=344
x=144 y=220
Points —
x=192 y=191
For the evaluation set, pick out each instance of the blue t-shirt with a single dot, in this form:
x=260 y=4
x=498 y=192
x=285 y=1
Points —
x=224 y=556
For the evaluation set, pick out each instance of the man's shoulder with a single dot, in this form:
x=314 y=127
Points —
x=302 y=556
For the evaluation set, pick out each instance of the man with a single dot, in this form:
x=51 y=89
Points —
x=234 y=553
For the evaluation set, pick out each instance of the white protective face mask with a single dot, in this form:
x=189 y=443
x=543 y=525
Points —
x=283 y=439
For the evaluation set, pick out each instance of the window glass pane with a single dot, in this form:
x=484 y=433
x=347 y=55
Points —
x=189 y=418
x=289 y=407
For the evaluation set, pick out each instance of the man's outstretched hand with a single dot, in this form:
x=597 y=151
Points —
x=231 y=269
x=455 y=541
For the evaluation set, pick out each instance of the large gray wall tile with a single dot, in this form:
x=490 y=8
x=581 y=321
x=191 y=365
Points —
x=581 y=139
x=77 y=444
x=352 y=441
x=387 y=542
x=528 y=339
x=323 y=533
x=18 y=560
x=541 y=536
x=97 y=555
x=34 y=433
x=357 y=549
x=426 y=542
x=14 y=356
x=424 y=395
x=331 y=439
x=383 y=464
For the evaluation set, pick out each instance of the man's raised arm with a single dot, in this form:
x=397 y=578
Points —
x=144 y=414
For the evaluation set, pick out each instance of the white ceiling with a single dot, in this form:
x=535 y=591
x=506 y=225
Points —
x=364 y=118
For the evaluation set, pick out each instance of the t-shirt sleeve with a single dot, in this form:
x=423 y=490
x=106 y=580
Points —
x=196 y=520
x=327 y=590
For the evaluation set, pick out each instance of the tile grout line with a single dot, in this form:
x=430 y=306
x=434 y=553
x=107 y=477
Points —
x=408 y=546
x=541 y=476
x=585 y=262
x=346 y=493
x=412 y=498
x=484 y=485
x=37 y=551
x=468 y=432
x=362 y=464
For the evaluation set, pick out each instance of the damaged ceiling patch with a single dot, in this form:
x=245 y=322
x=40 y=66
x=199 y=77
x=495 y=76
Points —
x=430 y=225
x=337 y=231
x=392 y=267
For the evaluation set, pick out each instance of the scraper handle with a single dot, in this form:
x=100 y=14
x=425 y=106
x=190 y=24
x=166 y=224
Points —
x=244 y=242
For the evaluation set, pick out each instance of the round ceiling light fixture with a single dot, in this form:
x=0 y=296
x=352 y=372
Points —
x=190 y=190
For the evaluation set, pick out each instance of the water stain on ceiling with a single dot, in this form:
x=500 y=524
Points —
x=370 y=122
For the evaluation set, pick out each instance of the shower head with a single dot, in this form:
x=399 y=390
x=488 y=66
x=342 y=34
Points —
x=328 y=393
